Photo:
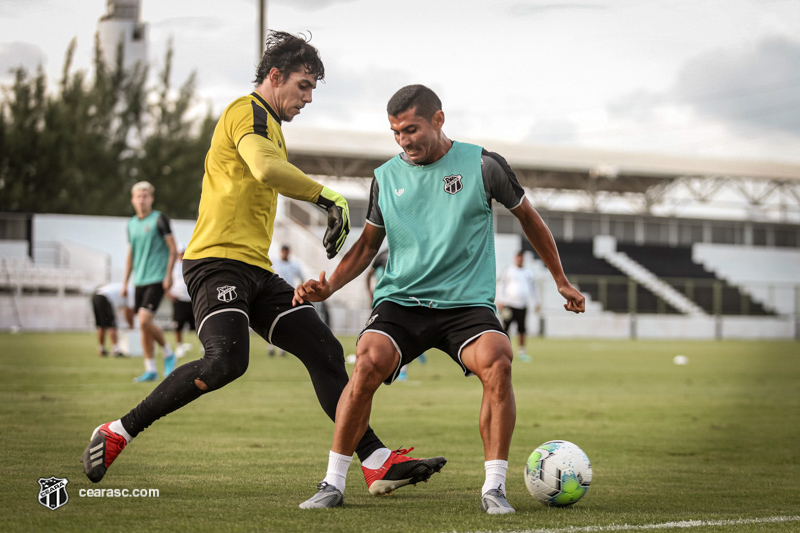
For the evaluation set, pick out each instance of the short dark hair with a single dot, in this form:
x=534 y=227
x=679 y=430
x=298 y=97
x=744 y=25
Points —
x=289 y=53
x=419 y=96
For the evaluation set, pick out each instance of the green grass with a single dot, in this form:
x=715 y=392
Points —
x=716 y=439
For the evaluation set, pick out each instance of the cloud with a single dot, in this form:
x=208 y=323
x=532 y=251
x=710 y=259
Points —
x=553 y=131
x=200 y=24
x=312 y=4
x=20 y=54
x=746 y=87
x=522 y=9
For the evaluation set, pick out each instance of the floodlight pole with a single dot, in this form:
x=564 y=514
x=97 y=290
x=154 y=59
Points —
x=262 y=28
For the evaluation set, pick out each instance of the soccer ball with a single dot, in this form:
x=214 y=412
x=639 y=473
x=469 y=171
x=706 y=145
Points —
x=558 y=473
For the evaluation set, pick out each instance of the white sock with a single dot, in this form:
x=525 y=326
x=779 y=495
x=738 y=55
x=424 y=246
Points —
x=521 y=351
x=117 y=427
x=495 y=475
x=167 y=350
x=116 y=348
x=150 y=365
x=337 y=470
x=377 y=458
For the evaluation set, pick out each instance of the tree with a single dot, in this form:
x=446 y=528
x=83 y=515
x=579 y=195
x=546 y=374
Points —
x=79 y=149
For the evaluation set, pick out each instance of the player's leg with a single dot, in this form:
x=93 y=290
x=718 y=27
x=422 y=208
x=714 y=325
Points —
x=101 y=341
x=489 y=357
x=145 y=318
x=99 y=307
x=226 y=338
x=378 y=360
x=300 y=331
x=522 y=319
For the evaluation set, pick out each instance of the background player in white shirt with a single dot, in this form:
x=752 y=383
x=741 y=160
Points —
x=516 y=288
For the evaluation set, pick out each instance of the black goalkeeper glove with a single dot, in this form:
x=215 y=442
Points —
x=338 y=220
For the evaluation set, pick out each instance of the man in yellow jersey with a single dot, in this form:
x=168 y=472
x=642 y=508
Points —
x=229 y=273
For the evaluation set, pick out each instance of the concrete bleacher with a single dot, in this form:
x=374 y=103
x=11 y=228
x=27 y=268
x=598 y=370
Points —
x=22 y=276
x=605 y=283
x=675 y=265
x=770 y=276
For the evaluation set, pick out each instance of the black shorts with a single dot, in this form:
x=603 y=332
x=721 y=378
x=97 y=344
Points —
x=226 y=285
x=103 y=312
x=515 y=314
x=148 y=297
x=182 y=315
x=413 y=330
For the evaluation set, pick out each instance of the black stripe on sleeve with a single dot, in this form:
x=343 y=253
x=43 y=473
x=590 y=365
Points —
x=268 y=107
x=163 y=224
x=259 y=121
x=374 y=214
x=499 y=180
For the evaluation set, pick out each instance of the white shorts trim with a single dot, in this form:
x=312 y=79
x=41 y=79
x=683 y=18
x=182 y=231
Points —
x=275 y=322
x=396 y=347
x=218 y=312
x=461 y=348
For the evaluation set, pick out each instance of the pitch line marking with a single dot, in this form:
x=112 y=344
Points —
x=684 y=524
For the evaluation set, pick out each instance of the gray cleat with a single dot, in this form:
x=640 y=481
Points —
x=327 y=497
x=494 y=502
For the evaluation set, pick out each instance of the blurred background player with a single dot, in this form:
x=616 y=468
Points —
x=151 y=255
x=516 y=287
x=290 y=271
x=182 y=313
x=105 y=302
x=375 y=272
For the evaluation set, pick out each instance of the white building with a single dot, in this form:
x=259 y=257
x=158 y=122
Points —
x=122 y=25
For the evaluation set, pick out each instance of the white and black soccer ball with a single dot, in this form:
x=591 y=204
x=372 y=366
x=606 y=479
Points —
x=558 y=473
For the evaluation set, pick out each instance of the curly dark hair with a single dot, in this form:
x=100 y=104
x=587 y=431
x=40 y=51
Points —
x=289 y=53
x=419 y=96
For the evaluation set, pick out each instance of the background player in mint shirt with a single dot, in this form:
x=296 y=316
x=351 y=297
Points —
x=433 y=205
x=151 y=255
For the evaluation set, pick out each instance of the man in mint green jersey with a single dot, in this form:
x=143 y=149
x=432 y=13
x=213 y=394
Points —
x=432 y=203
x=151 y=255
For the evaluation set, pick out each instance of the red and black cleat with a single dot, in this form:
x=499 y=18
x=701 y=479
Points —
x=400 y=470
x=104 y=446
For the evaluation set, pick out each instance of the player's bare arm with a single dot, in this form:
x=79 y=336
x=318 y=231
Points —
x=355 y=261
x=128 y=268
x=542 y=240
x=169 y=240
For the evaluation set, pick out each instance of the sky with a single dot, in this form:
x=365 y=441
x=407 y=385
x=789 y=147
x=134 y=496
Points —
x=695 y=78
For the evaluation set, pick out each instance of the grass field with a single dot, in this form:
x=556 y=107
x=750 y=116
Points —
x=715 y=440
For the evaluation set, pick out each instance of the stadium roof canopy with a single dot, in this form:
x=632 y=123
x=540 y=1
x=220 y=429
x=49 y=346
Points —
x=648 y=182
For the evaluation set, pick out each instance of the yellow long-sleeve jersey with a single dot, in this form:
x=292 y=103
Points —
x=246 y=168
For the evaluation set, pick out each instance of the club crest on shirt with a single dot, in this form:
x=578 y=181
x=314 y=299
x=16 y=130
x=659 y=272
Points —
x=226 y=293
x=452 y=184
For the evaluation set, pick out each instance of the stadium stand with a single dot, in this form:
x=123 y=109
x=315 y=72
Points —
x=605 y=283
x=674 y=265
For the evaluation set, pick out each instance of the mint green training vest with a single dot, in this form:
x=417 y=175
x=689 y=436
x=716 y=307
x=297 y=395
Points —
x=440 y=232
x=150 y=252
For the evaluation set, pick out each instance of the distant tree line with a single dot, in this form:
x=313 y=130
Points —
x=79 y=148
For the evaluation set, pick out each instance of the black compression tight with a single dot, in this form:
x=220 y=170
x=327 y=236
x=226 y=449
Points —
x=226 y=339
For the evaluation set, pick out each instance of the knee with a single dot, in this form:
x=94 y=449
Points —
x=371 y=369
x=495 y=370
x=216 y=372
x=145 y=318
